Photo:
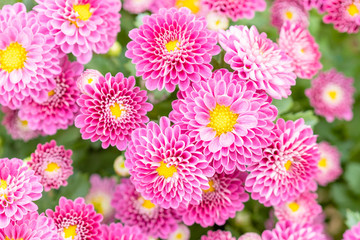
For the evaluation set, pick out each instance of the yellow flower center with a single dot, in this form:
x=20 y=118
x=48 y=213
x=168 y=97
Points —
x=164 y=170
x=333 y=95
x=3 y=184
x=70 y=231
x=116 y=110
x=52 y=167
x=97 y=203
x=353 y=10
x=13 y=57
x=171 y=46
x=179 y=236
x=148 y=204
x=83 y=10
x=222 y=120
x=294 y=206
x=217 y=22
x=90 y=80
x=289 y=15
x=288 y=165
x=193 y=5
x=322 y=163
x=211 y=189
x=24 y=123
x=7 y=238
x=51 y=93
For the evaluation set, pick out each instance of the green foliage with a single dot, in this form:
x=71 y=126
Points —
x=352 y=218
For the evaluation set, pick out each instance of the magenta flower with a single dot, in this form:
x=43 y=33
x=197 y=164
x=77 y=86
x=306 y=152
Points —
x=220 y=202
x=256 y=58
x=288 y=166
x=52 y=164
x=286 y=230
x=17 y=128
x=228 y=118
x=81 y=27
x=303 y=209
x=111 y=110
x=289 y=10
x=28 y=57
x=332 y=95
x=344 y=14
x=318 y=4
x=117 y=231
x=172 y=47
x=19 y=187
x=250 y=236
x=58 y=111
x=218 y=235
x=353 y=233
x=166 y=167
x=137 y=6
x=31 y=226
x=298 y=44
x=329 y=164
x=134 y=210
x=100 y=195
x=235 y=9
x=89 y=76
x=76 y=220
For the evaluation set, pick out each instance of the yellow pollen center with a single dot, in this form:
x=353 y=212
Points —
x=3 y=184
x=289 y=15
x=70 y=231
x=52 y=167
x=288 y=165
x=179 y=236
x=24 y=123
x=322 y=163
x=332 y=95
x=97 y=203
x=294 y=206
x=83 y=10
x=193 y=5
x=148 y=204
x=13 y=57
x=171 y=46
x=7 y=238
x=353 y=10
x=115 y=110
x=302 y=50
x=164 y=170
x=51 y=93
x=90 y=80
x=211 y=188
x=222 y=120
x=217 y=22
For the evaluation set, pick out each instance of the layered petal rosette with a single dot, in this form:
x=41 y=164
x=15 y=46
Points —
x=332 y=95
x=19 y=187
x=298 y=44
x=166 y=167
x=28 y=57
x=220 y=202
x=289 y=10
x=353 y=233
x=81 y=27
x=256 y=58
x=288 y=167
x=134 y=210
x=89 y=76
x=111 y=109
x=117 y=231
x=171 y=48
x=76 y=220
x=228 y=118
x=58 y=111
x=218 y=235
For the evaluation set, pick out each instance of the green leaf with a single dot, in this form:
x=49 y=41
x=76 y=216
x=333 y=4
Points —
x=352 y=176
x=308 y=116
x=283 y=105
x=352 y=218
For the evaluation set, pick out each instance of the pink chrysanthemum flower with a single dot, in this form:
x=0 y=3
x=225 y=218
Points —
x=31 y=226
x=76 y=220
x=303 y=209
x=116 y=231
x=286 y=230
x=100 y=195
x=137 y=6
x=111 y=110
x=181 y=233
x=81 y=27
x=28 y=57
x=52 y=164
x=332 y=95
x=218 y=235
x=344 y=14
x=235 y=9
x=256 y=58
x=289 y=10
x=329 y=164
x=177 y=50
x=298 y=44
x=165 y=166
x=17 y=128
x=220 y=202
x=89 y=76
x=58 y=111
x=318 y=4
x=19 y=187
x=288 y=166
x=134 y=210
x=353 y=233
x=228 y=118
x=250 y=236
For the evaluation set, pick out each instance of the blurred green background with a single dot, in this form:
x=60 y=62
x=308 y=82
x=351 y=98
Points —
x=339 y=51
